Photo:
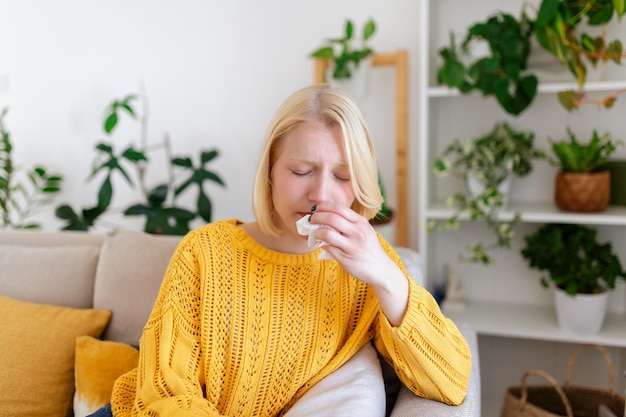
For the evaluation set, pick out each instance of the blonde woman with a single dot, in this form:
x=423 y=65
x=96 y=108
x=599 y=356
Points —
x=251 y=316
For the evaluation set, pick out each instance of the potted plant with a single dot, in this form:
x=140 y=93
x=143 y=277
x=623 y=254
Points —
x=581 y=269
x=348 y=69
x=560 y=28
x=501 y=71
x=486 y=163
x=22 y=190
x=157 y=204
x=583 y=182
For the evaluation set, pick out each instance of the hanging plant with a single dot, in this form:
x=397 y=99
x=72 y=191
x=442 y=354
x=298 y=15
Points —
x=559 y=28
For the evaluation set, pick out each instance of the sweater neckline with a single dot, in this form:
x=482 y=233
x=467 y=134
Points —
x=234 y=225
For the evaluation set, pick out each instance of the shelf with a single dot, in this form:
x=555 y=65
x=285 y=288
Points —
x=535 y=322
x=543 y=213
x=547 y=88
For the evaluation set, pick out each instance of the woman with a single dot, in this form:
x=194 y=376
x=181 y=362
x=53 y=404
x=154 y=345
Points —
x=249 y=318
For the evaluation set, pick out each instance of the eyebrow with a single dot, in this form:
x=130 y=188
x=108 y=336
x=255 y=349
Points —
x=313 y=162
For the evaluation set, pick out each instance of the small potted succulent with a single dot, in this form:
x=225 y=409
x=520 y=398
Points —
x=583 y=182
x=349 y=58
x=581 y=270
x=486 y=165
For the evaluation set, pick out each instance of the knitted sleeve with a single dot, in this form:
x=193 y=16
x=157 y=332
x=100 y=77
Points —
x=169 y=377
x=427 y=351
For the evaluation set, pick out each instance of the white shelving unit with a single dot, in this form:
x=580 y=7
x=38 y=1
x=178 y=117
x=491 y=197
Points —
x=507 y=306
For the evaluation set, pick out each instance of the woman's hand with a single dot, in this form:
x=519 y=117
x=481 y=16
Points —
x=352 y=241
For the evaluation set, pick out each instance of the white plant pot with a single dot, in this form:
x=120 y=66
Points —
x=476 y=186
x=357 y=84
x=582 y=313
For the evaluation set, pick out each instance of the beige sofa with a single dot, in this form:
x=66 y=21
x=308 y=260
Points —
x=121 y=272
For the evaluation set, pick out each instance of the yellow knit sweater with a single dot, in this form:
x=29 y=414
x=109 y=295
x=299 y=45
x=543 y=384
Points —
x=240 y=330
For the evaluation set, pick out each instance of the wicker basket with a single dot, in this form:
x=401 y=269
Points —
x=567 y=400
x=582 y=192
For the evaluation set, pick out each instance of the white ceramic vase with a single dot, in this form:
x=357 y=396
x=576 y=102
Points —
x=582 y=313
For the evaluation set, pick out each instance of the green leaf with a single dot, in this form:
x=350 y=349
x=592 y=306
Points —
x=208 y=156
x=326 y=52
x=349 y=30
x=158 y=195
x=106 y=193
x=110 y=122
x=182 y=162
x=615 y=50
x=547 y=11
x=568 y=99
x=204 y=207
x=609 y=102
x=134 y=155
x=452 y=73
x=619 y=7
x=105 y=148
x=137 y=210
x=370 y=28
x=65 y=212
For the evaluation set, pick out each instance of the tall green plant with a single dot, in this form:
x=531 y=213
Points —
x=158 y=204
x=22 y=190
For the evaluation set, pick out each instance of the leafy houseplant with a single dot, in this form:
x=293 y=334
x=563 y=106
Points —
x=573 y=258
x=583 y=182
x=158 y=204
x=581 y=269
x=503 y=72
x=559 y=29
x=21 y=191
x=347 y=56
x=492 y=159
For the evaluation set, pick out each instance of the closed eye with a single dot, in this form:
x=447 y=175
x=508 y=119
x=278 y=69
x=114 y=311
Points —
x=300 y=173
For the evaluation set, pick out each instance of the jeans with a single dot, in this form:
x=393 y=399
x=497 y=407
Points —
x=103 y=412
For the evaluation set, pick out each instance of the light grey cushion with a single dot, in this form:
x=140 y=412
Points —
x=128 y=279
x=355 y=389
x=59 y=275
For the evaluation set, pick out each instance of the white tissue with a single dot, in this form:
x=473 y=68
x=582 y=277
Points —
x=305 y=228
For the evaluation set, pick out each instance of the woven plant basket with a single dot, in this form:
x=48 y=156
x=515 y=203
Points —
x=566 y=400
x=582 y=192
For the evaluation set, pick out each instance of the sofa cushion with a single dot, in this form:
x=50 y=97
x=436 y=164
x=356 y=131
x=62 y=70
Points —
x=41 y=274
x=128 y=278
x=37 y=343
x=355 y=389
x=97 y=365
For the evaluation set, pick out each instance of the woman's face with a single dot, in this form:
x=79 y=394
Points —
x=311 y=168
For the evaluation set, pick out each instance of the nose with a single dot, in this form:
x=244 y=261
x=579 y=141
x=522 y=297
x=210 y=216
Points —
x=319 y=189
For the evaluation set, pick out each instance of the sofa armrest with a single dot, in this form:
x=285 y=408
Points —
x=409 y=405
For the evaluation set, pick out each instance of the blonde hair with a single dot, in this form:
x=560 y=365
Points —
x=330 y=106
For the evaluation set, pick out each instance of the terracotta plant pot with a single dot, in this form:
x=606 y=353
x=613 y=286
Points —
x=583 y=192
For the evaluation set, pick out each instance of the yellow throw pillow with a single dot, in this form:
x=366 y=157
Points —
x=98 y=364
x=37 y=343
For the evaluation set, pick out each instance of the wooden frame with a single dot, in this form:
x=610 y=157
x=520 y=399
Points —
x=399 y=60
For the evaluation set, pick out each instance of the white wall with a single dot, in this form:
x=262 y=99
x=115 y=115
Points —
x=214 y=72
